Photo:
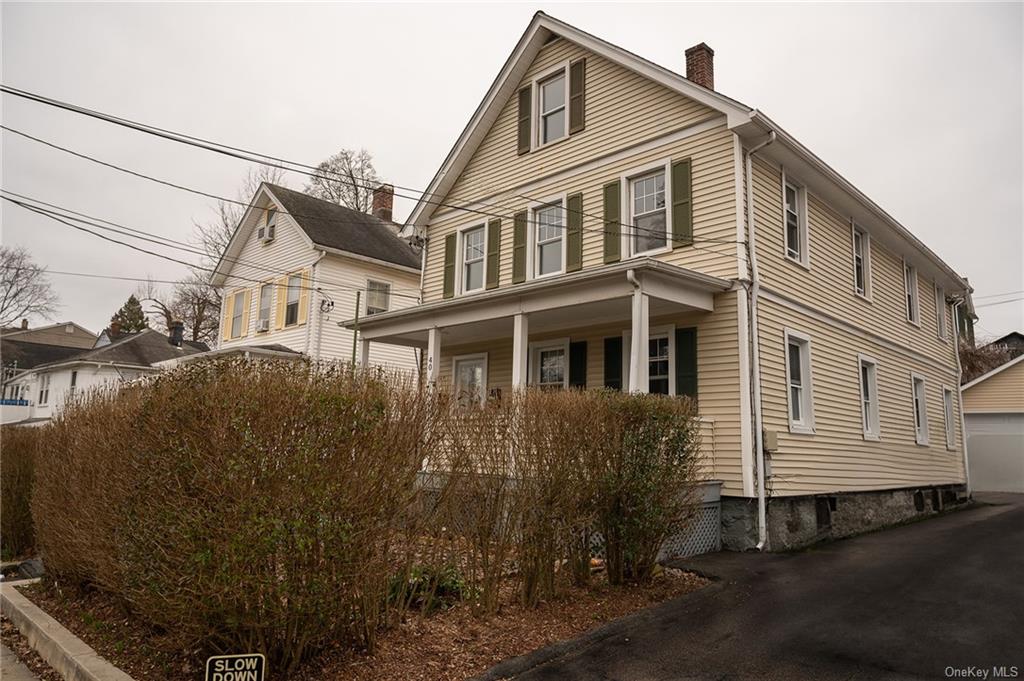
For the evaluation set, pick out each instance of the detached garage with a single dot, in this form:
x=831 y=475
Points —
x=994 y=421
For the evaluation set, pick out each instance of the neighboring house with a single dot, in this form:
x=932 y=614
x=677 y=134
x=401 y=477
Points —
x=296 y=265
x=994 y=421
x=605 y=222
x=65 y=334
x=49 y=385
x=1013 y=342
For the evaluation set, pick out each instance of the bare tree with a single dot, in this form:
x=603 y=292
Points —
x=25 y=289
x=192 y=301
x=981 y=359
x=213 y=236
x=347 y=178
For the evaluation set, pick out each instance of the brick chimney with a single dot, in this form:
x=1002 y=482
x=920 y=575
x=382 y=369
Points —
x=383 y=200
x=175 y=333
x=115 y=329
x=24 y=324
x=700 y=65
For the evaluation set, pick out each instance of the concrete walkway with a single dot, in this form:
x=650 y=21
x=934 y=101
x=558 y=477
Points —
x=11 y=668
x=930 y=600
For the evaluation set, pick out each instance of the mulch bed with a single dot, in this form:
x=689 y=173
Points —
x=18 y=644
x=452 y=644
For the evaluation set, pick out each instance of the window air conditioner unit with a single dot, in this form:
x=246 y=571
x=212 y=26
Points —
x=262 y=325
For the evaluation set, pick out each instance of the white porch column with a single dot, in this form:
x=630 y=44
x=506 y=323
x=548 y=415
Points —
x=520 y=349
x=433 y=355
x=638 y=352
x=364 y=353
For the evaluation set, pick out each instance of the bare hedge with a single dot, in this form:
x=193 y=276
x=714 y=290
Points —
x=17 y=463
x=279 y=507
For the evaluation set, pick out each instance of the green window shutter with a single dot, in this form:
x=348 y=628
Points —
x=449 y=265
x=612 y=228
x=577 y=98
x=686 y=362
x=613 y=362
x=682 y=204
x=578 y=364
x=519 y=247
x=523 y=130
x=493 y=252
x=574 y=232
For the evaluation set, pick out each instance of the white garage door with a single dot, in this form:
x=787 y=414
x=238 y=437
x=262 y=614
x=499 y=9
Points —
x=995 y=450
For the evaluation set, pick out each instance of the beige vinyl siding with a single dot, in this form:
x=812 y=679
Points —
x=290 y=251
x=611 y=127
x=718 y=376
x=622 y=108
x=837 y=457
x=340 y=277
x=828 y=283
x=1001 y=393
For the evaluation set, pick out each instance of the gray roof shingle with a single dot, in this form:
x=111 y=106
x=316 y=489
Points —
x=328 y=224
x=140 y=349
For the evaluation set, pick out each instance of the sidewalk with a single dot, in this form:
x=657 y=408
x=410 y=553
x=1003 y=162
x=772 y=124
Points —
x=11 y=668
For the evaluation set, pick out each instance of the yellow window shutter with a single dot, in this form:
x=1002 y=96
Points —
x=304 y=297
x=245 y=312
x=282 y=300
x=225 y=327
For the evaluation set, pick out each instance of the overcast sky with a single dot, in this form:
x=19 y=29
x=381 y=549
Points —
x=918 y=105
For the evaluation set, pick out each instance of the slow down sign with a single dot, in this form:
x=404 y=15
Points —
x=250 y=667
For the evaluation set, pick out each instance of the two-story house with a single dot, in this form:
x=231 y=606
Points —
x=607 y=222
x=297 y=265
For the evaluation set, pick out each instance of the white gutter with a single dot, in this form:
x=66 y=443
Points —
x=960 y=395
x=755 y=347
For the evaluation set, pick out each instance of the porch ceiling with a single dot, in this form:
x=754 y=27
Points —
x=585 y=298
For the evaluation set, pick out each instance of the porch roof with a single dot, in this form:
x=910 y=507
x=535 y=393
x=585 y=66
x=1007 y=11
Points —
x=586 y=297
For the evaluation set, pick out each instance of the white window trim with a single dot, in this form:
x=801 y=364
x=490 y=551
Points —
x=949 y=417
x=460 y=260
x=531 y=236
x=941 y=326
x=873 y=433
x=391 y=287
x=259 y=301
x=553 y=344
x=803 y=204
x=471 y=357
x=231 y=316
x=626 y=207
x=44 y=390
x=866 y=240
x=916 y=318
x=654 y=332
x=806 y=425
x=535 y=129
x=920 y=436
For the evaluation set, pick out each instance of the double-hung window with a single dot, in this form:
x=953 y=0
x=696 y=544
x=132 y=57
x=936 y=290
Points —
x=74 y=382
x=237 y=314
x=910 y=293
x=291 y=309
x=378 y=295
x=647 y=202
x=473 y=247
x=266 y=299
x=798 y=374
x=551 y=362
x=549 y=231
x=796 y=222
x=861 y=262
x=920 y=410
x=947 y=410
x=470 y=379
x=940 y=314
x=44 y=389
x=869 y=398
x=552 y=108
x=658 y=380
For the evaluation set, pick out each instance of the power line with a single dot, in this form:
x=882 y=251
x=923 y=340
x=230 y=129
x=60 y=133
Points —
x=997 y=295
x=1001 y=302
x=315 y=171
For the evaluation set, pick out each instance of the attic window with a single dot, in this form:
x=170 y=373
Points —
x=266 y=231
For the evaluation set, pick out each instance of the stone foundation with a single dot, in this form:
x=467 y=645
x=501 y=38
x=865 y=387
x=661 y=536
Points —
x=798 y=521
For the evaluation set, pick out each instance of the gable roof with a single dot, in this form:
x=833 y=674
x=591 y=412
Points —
x=984 y=377
x=81 y=333
x=742 y=119
x=141 y=349
x=1013 y=338
x=326 y=225
x=27 y=355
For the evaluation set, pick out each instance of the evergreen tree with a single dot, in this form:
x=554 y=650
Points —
x=131 y=317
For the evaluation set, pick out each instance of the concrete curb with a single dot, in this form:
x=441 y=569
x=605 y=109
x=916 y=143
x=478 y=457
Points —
x=66 y=653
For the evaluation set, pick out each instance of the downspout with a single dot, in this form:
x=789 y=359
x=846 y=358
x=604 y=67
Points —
x=960 y=394
x=315 y=304
x=755 y=347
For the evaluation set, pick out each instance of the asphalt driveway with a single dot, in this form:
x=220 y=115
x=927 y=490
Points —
x=942 y=598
